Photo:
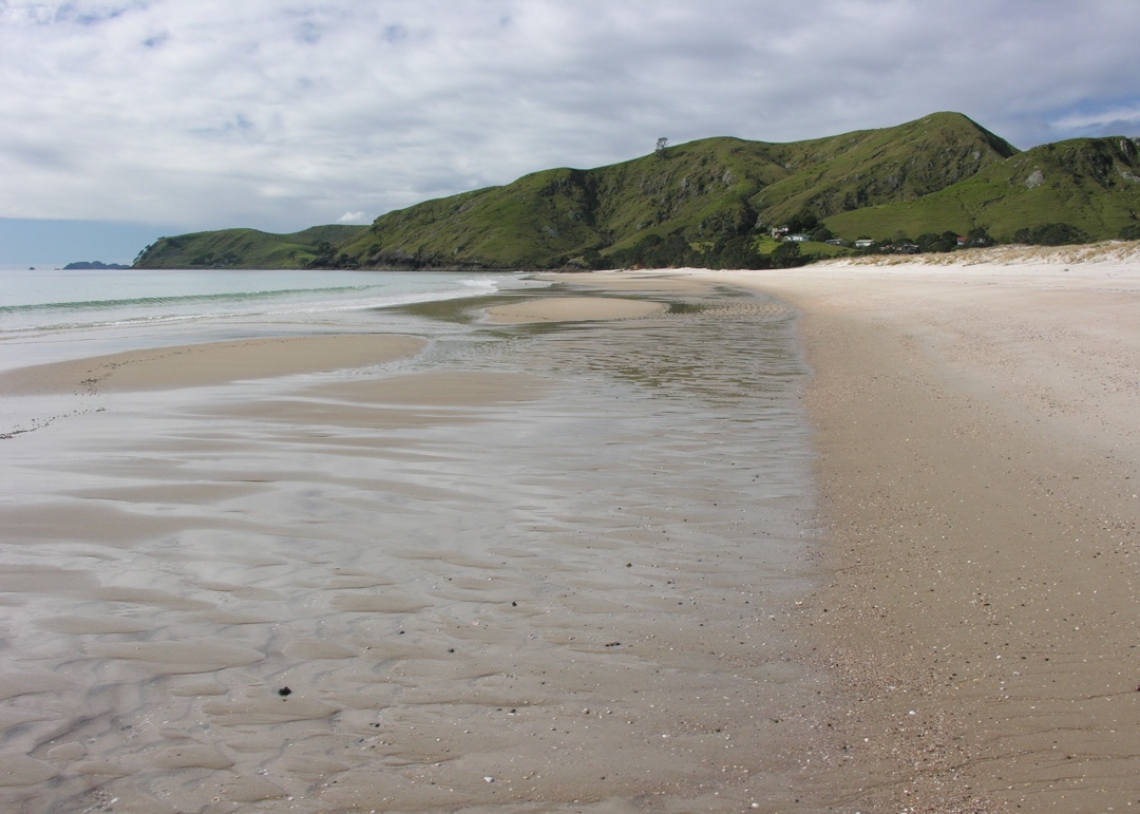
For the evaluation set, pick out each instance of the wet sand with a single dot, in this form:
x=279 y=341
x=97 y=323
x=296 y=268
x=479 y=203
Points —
x=527 y=567
x=209 y=363
x=572 y=309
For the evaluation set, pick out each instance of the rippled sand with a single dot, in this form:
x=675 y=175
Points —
x=531 y=568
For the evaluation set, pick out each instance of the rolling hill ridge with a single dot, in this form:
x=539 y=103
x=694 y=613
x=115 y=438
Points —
x=712 y=202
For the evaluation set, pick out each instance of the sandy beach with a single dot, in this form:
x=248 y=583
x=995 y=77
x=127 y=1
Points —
x=979 y=461
x=978 y=467
x=631 y=549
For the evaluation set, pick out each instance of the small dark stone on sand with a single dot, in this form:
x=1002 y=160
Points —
x=284 y=691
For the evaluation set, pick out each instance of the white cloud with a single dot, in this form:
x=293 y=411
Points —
x=354 y=218
x=277 y=115
x=1105 y=118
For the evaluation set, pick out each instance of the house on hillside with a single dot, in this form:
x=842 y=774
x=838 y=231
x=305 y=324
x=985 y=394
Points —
x=797 y=238
x=864 y=243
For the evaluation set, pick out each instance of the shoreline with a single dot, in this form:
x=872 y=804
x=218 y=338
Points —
x=978 y=465
x=971 y=646
x=169 y=367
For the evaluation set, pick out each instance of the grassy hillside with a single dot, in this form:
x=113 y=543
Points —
x=243 y=248
x=709 y=202
x=1091 y=184
x=706 y=191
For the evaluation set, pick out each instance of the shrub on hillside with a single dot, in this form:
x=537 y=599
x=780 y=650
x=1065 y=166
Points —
x=1050 y=234
x=933 y=242
x=803 y=222
x=654 y=251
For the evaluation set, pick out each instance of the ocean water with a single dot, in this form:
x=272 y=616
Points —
x=48 y=315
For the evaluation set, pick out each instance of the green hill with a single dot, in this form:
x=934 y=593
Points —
x=708 y=202
x=704 y=193
x=243 y=248
x=1090 y=184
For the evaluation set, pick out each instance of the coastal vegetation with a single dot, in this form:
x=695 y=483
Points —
x=93 y=265
x=243 y=248
x=935 y=184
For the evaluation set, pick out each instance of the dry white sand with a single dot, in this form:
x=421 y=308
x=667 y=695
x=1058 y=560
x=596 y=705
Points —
x=978 y=426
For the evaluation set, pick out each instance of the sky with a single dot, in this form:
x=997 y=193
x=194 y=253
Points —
x=124 y=120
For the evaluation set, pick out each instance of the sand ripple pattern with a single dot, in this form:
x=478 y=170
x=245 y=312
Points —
x=545 y=570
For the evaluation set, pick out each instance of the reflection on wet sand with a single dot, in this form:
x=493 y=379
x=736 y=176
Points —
x=550 y=568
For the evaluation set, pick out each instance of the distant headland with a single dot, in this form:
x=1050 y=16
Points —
x=85 y=265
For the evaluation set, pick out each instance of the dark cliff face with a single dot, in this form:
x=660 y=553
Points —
x=711 y=200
